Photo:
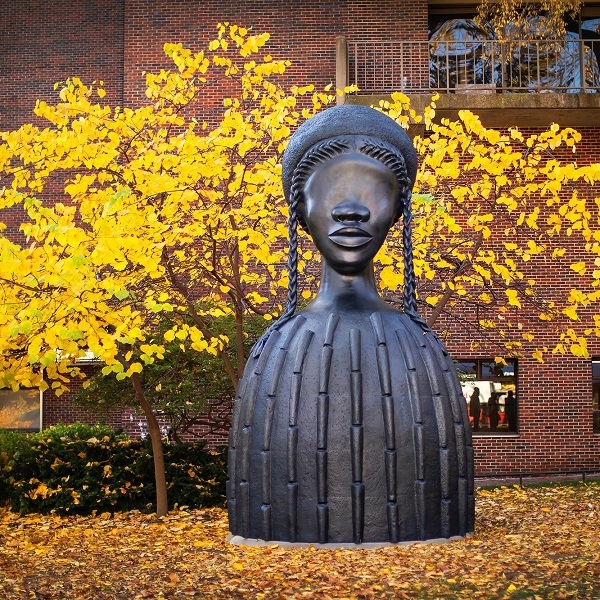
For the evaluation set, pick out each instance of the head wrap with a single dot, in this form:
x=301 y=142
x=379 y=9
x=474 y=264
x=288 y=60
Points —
x=347 y=119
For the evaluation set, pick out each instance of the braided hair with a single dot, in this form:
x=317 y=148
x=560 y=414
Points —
x=318 y=154
x=395 y=162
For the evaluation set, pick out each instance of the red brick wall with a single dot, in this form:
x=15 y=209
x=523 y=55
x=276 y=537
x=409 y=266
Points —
x=43 y=42
x=63 y=409
x=115 y=40
x=302 y=32
x=555 y=422
x=554 y=398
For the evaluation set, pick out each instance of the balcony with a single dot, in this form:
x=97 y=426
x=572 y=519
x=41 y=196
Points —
x=521 y=82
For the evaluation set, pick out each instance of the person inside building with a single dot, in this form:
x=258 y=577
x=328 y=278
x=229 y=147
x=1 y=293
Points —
x=510 y=409
x=493 y=412
x=475 y=408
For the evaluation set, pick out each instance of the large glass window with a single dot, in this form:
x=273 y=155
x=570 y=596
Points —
x=596 y=393
x=465 y=57
x=21 y=409
x=490 y=389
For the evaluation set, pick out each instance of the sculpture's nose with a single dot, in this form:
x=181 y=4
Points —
x=351 y=210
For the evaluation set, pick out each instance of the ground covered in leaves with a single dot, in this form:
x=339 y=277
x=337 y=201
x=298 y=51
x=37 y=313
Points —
x=530 y=543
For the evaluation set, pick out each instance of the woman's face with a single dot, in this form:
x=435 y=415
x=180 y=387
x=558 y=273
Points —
x=350 y=203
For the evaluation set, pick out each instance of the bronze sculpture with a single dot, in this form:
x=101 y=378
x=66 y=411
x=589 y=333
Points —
x=349 y=425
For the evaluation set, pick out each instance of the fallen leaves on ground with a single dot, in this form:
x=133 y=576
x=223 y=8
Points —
x=529 y=543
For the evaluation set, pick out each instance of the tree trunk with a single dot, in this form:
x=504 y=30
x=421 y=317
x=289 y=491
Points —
x=181 y=288
x=439 y=307
x=239 y=334
x=162 y=504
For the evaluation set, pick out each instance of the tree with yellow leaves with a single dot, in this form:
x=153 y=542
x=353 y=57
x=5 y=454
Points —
x=496 y=213
x=130 y=214
x=522 y=19
x=133 y=214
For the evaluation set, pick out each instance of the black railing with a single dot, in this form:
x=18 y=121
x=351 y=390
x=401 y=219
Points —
x=521 y=476
x=470 y=66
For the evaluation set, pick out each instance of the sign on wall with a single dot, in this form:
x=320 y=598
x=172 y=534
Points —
x=21 y=409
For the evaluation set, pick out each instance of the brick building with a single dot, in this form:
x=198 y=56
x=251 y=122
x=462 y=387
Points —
x=382 y=46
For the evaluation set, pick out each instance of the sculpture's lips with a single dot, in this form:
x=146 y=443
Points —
x=350 y=237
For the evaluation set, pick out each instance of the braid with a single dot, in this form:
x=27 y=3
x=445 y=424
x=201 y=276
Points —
x=410 y=281
x=317 y=155
x=395 y=162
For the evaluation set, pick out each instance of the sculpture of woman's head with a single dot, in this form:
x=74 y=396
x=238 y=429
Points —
x=347 y=176
x=347 y=192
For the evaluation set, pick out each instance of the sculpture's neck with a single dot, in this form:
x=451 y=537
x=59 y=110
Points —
x=347 y=292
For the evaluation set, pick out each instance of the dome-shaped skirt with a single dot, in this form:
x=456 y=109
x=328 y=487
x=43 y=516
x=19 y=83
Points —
x=350 y=428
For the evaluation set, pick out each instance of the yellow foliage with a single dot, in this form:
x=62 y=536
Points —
x=484 y=185
x=160 y=208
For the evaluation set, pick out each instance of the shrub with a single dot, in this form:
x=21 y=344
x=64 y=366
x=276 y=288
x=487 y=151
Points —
x=77 y=431
x=80 y=469
x=194 y=474
x=12 y=443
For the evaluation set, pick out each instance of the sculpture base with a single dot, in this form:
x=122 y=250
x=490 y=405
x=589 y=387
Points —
x=238 y=540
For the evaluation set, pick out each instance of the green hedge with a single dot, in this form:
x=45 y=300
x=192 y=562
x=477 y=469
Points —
x=80 y=469
x=12 y=444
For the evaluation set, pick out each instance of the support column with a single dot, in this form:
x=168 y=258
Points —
x=341 y=67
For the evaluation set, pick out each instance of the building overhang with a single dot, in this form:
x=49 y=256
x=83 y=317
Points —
x=507 y=110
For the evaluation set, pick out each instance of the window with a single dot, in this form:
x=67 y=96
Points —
x=21 y=409
x=596 y=393
x=491 y=392
x=466 y=57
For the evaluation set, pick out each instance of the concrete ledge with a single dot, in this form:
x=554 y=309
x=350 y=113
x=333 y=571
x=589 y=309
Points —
x=238 y=540
x=504 y=110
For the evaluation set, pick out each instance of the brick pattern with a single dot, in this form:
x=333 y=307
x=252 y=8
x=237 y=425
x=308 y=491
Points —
x=302 y=32
x=44 y=42
x=115 y=40
x=63 y=409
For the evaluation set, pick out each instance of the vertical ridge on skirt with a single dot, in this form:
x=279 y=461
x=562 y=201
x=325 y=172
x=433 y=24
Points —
x=246 y=433
x=265 y=508
x=356 y=438
x=471 y=490
x=232 y=463
x=387 y=407
x=426 y=343
x=282 y=353
x=234 y=433
x=406 y=341
x=322 y=426
x=407 y=372
x=292 y=432
x=272 y=397
x=462 y=435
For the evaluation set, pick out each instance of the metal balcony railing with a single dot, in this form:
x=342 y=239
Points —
x=467 y=66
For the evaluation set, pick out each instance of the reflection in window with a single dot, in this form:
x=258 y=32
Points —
x=491 y=393
x=465 y=56
x=596 y=393
x=21 y=409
